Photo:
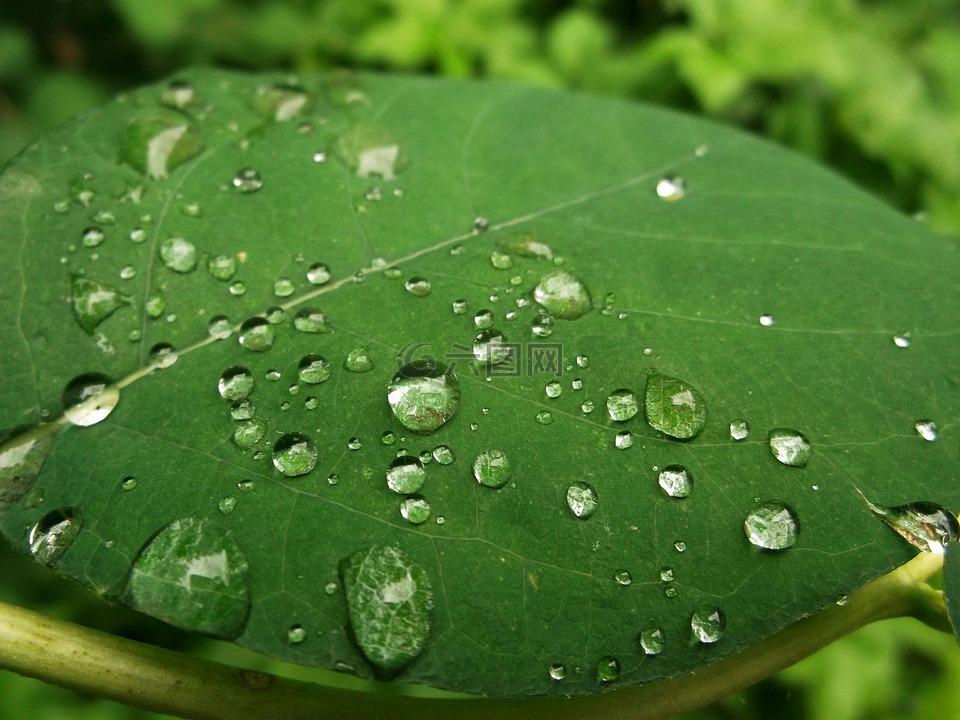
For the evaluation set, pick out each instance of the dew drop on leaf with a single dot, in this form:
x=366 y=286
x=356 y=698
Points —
x=790 y=447
x=622 y=405
x=739 y=430
x=417 y=286
x=542 y=326
x=608 y=669
x=222 y=267
x=89 y=398
x=236 y=383
x=623 y=577
x=671 y=188
x=92 y=237
x=156 y=145
x=257 y=334
x=927 y=429
x=563 y=294
x=248 y=433
x=424 y=395
x=406 y=475
x=371 y=151
x=281 y=101
x=220 y=327
x=389 y=599
x=708 y=624
x=179 y=255
x=767 y=320
x=227 y=505
x=553 y=389
x=676 y=481
x=902 y=339
x=358 y=360
x=163 y=355
x=772 y=526
x=247 y=180
x=318 y=274
x=313 y=369
x=674 y=407
x=296 y=634
x=491 y=347
x=492 y=469
x=283 y=287
x=587 y=407
x=924 y=525
x=177 y=94
x=129 y=483
x=93 y=302
x=557 y=672
x=483 y=319
x=192 y=575
x=582 y=499
x=526 y=245
x=50 y=538
x=415 y=509
x=310 y=320
x=295 y=454
x=443 y=455
x=501 y=260
x=651 y=641
x=623 y=440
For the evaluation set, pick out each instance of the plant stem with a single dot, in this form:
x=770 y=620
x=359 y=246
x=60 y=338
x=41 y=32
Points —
x=160 y=680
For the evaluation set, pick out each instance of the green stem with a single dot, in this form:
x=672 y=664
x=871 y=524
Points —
x=164 y=681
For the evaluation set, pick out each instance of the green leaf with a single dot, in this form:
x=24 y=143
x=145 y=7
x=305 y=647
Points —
x=951 y=585
x=587 y=372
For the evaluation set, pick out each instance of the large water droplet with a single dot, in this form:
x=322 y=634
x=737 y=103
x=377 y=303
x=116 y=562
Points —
x=622 y=405
x=389 y=599
x=790 y=447
x=235 y=383
x=582 y=499
x=423 y=395
x=89 y=398
x=492 y=469
x=651 y=640
x=406 y=475
x=371 y=152
x=192 y=575
x=674 y=407
x=563 y=294
x=314 y=369
x=415 y=509
x=772 y=526
x=93 y=302
x=257 y=334
x=50 y=538
x=676 y=481
x=179 y=255
x=295 y=454
x=924 y=525
x=156 y=145
x=707 y=624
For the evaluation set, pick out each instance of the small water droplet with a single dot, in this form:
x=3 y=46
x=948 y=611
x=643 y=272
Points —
x=257 y=334
x=220 y=327
x=418 y=286
x=318 y=274
x=247 y=180
x=295 y=454
x=651 y=640
x=902 y=339
x=623 y=577
x=676 y=481
x=227 y=505
x=739 y=430
x=296 y=634
x=358 y=360
x=330 y=588
x=243 y=410
x=674 y=407
x=354 y=443
x=415 y=509
x=61 y=207
x=563 y=294
x=310 y=320
x=93 y=302
x=582 y=499
x=491 y=347
x=406 y=475
x=443 y=455
x=553 y=389
x=248 y=433
x=542 y=326
x=671 y=188
x=281 y=101
x=89 y=399
x=138 y=235
x=545 y=417
x=319 y=157
x=237 y=288
x=388 y=438
x=501 y=260
x=313 y=369
x=608 y=669
x=480 y=224
x=622 y=405
x=177 y=94
x=179 y=255
x=424 y=395
x=235 y=383
x=92 y=237
x=587 y=407
x=333 y=479
x=371 y=152
x=192 y=210
x=128 y=483
x=790 y=447
x=767 y=320
x=283 y=287
x=459 y=307
x=492 y=469
x=772 y=526
x=483 y=319
x=623 y=440
x=222 y=267
x=927 y=429
x=680 y=546
x=128 y=272
x=666 y=574
x=670 y=591
x=707 y=624
x=159 y=143
x=50 y=538
x=163 y=355
x=557 y=672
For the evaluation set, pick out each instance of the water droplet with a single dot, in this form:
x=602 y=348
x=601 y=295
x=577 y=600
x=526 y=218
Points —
x=94 y=302
x=273 y=375
x=222 y=267
x=651 y=640
x=790 y=447
x=707 y=624
x=156 y=145
x=501 y=260
x=424 y=395
x=739 y=430
x=389 y=598
x=281 y=101
x=310 y=320
x=220 y=327
x=179 y=255
x=128 y=272
x=418 y=286
x=406 y=475
x=483 y=319
x=557 y=672
x=674 y=407
x=313 y=369
x=257 y=334
x=296 y=634
x=666 y=574
x=563 y=294
x=675 y=481
x=623 y=577
x=544 y=417
x=227 y=505
x=243 y=410
x=247 y=180
x=902 y=340
x=526 y=245
x=772 y=526
x=587 y=407
x=333 y=479
x=284 y=287
x=61 y=207
x=237 y=288
x=50 y=538
x=138 y=235
x=927 y=429
x=542 y=326
x=443 y=455
x=459 y=307
x=354 y=443
x=671 y=188
x=295 y=454
x=177 y=94
x=553 y=389
x=235 y=383
x=371 y=152
x=275 y=315
x=582 y=500
x=318 y=274
x=192 y=575
x=89 y=398
x=480 y=224
x=492 y=469
x=583 y=361
x=249 y=433
x=92 y=237
x=680 y=546
x=155 y=305
x=491 y=347
x=128 y=483
x=608 y=669
x=415 y=509
x=623 y=440
x=358 y=360
x=330 y=588
x=622 y=405
x=924 y=525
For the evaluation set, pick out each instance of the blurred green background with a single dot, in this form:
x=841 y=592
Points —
x=871 y=88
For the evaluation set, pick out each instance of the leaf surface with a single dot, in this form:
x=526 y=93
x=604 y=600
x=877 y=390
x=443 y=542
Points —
x=750 y=286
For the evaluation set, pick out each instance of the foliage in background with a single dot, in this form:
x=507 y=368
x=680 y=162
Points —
x=871 y=88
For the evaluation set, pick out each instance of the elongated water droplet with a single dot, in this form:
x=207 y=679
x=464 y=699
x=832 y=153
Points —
x=622 y=405
x=247 y=180
x=415 y=509
x=651 y=640
x=389 y=599
x=582 y=499
x=492 y=469
x=671 y=188
x=179 y=255
x=676 y=481
x=924 y=525
x=192 y=575
x=235 y=383
x=790 y=447
x=563 y=294
x=156 y=145
x=424 y=395
x=772 y=526
x=314 y=369
x=371 y=152
x=739 y=430
x=406 y=475
x=50 y=538
x=927 y=429
x=674 y=407
x=89 y=398
x=295 y=454
x=608 y=669
x=257 y=334
x=93 y=302
x=707 y=624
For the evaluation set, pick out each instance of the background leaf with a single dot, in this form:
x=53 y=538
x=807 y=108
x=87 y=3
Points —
x=771 y=287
